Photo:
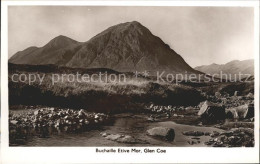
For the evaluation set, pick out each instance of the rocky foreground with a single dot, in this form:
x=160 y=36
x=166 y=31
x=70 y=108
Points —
x=47 y=121
x=233 y=114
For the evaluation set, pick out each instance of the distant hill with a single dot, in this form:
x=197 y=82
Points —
x=232 y=68
x=124 y=47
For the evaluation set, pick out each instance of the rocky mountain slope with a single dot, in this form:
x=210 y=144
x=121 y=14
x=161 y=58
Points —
x=124 y=47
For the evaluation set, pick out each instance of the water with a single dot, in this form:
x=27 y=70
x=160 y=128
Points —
x=127 y=124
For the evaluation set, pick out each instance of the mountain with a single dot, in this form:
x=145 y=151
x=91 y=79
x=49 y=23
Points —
x=124 y=47
x=57 y=51
x=232 y=68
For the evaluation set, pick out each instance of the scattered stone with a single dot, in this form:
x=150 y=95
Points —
x=162 y=132
x=236 y=137
x=45 y=121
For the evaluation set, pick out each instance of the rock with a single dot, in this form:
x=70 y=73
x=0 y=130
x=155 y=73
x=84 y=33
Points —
x=242 y=111
x=13 y=122
x=193 y=133
x=191 y=142
x=127 y=139
x=211 y=111
x=162 y=132
x=113 y=137
x=200 y=104
x=231 y=113
x=217 y=95
x=234 y=99
x=104 y=134
x=214 y=134
x=151 y=119
x=36 y=112
x=189 y=108
x=122 y=138
x=250 y=95
x=207 y=133
x=236 y=93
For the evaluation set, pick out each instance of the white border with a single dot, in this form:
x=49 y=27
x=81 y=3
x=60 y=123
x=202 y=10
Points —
x=87 y=154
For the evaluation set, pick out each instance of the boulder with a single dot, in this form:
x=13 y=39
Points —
x=242 y=111
x=13 y=122
x=200 y=104
x=236 y=93
x=190 y=108
x=250 y=95
x=217 y=95
x=162 y=133
x=211 y=110
x=122 y=138
x=113 y=137
x=231 y=113
x=127 y=139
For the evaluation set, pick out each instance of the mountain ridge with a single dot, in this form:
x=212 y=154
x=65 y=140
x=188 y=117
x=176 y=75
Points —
x=233 y=67
x=124 y=47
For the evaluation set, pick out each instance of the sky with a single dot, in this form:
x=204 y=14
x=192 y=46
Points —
x=201 y=35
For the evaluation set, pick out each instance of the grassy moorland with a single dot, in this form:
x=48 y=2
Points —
x=105 y=97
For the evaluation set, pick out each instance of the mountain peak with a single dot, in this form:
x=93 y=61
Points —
x=135 y=23
x=124 y=47
x=60 y=42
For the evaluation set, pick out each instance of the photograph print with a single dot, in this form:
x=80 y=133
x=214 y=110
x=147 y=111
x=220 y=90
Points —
x=131 y=76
